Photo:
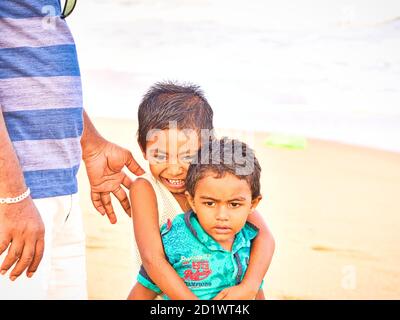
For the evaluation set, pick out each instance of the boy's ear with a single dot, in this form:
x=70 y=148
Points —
x=255 y=202
x=189 y=199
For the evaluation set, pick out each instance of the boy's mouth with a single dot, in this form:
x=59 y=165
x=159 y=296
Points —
x=222 y=229
x=174 y=183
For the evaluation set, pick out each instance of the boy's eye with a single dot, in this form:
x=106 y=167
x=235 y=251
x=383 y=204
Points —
x=235 y=204
x=160 y=157
x=209 y=203
x=188 y=159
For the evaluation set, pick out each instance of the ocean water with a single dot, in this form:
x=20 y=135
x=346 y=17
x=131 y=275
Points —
x=324 y=69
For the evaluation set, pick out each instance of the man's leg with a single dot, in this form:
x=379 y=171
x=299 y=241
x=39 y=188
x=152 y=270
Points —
x=68 y=262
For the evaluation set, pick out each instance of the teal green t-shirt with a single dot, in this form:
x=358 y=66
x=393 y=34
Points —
x=199 y=260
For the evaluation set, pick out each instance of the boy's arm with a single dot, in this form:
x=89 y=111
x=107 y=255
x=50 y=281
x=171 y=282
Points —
x=260 y=295
x=140 y=292
x=148 y=238
x=236 y=293
x=262 y=250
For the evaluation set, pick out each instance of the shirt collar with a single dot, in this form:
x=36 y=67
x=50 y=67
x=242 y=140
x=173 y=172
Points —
x=242 y=238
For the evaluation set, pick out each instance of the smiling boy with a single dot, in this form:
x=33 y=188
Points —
x=174 y=121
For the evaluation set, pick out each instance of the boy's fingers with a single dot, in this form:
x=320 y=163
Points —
x=106 y=201
x=221 y=295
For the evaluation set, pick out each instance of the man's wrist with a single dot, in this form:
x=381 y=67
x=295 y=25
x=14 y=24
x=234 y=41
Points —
x=19 y=198
x=11 y=173
x=92 y=147
x=12 y=181
x=12 y=190
x=92 y=141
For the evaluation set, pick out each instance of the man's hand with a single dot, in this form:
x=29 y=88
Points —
x=22 y=226
x=104 y=166
x=20 y=223
x=239 y=292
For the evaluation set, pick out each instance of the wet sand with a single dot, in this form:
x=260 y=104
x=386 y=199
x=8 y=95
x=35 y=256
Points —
x=333 y=210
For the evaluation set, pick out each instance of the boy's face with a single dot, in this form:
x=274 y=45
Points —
x=169 y=153
x=222 y=206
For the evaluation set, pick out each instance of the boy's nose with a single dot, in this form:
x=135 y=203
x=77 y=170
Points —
x=175 y=169
x=222 y=214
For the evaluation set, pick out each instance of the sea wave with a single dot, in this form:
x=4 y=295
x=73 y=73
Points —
x=332 y=68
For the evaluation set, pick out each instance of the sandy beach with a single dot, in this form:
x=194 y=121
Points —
x=333 y=209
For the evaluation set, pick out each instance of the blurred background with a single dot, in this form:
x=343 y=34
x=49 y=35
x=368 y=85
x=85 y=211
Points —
x=329 y=69
x=313 y=86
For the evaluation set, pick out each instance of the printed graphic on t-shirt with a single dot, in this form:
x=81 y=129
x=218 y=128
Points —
x=197 y=271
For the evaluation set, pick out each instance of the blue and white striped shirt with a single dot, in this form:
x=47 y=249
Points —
x=41 y=94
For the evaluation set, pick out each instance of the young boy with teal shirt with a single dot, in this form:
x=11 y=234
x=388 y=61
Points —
x=209 y=246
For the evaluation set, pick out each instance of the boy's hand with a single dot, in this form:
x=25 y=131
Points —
x=239 y=292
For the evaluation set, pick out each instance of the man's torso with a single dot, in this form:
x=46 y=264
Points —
x=40 y=94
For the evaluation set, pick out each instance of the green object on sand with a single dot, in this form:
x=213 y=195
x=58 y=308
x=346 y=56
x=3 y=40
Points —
x=286 y=141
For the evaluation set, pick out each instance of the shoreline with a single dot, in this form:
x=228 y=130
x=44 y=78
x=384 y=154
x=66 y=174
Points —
x=248 y=133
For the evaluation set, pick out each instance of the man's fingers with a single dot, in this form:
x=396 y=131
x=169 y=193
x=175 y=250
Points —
x=120 y=194
x=97 y=203
x=39 y=249
x=14 y=253
x=106 y=200
x=133 y=166
x=25 y=260
x=4 y=243
x=126 y=181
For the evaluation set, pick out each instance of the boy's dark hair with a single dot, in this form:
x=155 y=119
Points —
x=167 y=102
x=225 y=156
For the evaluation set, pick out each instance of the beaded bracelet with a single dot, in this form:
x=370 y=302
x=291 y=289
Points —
x=16 y=199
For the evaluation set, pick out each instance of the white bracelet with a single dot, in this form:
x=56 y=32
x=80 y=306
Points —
x=16 y=199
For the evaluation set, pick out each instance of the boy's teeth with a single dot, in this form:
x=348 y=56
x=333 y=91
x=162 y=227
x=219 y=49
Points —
x=177 y=182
